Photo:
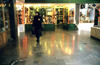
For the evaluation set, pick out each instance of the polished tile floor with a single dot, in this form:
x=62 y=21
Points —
x=58 y=47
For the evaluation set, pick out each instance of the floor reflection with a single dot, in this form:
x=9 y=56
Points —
x=59 y=47
x=23 y=52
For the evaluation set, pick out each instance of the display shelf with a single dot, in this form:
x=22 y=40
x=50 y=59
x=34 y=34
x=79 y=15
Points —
x=3 y=38
x=62 y=15
x=28 y=27
x=20 y=13
x=48 y=27
x=2 y=17
x=70 y=26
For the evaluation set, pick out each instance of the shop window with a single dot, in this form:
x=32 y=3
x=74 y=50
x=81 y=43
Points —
x=54 y=13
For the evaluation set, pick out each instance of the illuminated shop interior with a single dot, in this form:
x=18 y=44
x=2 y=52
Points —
x=51 y=13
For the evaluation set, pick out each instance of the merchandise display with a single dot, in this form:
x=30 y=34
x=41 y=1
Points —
x=66 y=15
x=51 y=13
x=62 y=15
x=71 y=15
x=1 y=18
x=20 y=14
x=7 y=22
x=3 y=24
x=43 y=10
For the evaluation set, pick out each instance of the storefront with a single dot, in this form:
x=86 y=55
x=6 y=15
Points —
x=87 y=12
x=4 y=24
x=52 y=14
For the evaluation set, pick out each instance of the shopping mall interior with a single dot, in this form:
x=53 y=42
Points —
x=70 y=34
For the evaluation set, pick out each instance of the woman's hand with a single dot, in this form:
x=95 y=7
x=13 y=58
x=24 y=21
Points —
x=38 y=19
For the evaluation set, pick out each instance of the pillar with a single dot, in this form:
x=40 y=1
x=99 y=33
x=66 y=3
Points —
x=13 y=19
x=96 y=16
x=77 y=11
x=99 y=17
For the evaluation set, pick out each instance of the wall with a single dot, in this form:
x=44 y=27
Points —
x=13 y=19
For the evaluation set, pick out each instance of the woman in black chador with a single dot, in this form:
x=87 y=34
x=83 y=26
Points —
x=37 y=23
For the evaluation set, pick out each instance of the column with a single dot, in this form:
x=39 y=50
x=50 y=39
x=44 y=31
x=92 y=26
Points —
x=13 y=19
x=96 y=16
x=99 y=17
x=77 y=11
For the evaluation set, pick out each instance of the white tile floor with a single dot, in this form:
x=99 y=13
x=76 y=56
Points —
x=59 y=47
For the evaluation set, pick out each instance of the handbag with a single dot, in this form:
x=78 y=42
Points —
x=42 y=26
x=33 y=31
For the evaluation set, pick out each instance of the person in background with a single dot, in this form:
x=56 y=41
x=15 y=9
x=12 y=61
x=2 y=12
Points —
x=37 y=24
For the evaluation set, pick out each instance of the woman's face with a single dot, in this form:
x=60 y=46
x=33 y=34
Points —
x=36 y=14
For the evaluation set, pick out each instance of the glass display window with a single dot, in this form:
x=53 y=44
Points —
x=51 y=13
x=43 y=9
